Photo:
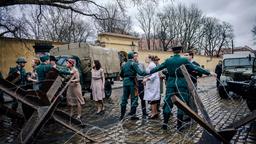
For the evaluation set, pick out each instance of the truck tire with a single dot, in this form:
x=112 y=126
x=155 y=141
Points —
x=108 y=89
x=251 y=104
x=222 y=92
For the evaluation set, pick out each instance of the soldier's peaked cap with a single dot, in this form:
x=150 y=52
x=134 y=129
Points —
x=44 y=58
x=177 y=48
x=130 y=55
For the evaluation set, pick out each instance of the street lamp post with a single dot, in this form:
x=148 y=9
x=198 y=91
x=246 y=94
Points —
x=133 y=46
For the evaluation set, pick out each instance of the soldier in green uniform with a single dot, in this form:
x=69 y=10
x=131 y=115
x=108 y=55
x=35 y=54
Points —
x=176 y=83
x=129 y=72
x=21 y=61
x=44 y=67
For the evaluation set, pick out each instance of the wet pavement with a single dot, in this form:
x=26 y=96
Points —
x=106 y=128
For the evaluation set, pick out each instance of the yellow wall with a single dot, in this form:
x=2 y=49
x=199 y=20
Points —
x=202 y=60
x=11 y=49
x=119 y=43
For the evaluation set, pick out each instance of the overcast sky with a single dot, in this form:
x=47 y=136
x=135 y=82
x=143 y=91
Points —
x=240 y=13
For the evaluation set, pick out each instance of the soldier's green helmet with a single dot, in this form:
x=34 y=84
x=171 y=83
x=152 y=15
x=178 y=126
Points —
x=21 y=60
x=130 y=55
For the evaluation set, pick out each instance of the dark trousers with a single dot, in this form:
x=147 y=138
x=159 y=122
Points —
x=141 y=95
x=218 y=81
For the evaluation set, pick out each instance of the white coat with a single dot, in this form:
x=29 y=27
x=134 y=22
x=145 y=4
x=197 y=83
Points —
x=152 y=87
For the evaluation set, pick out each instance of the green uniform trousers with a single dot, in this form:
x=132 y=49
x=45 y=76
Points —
x=127 y=91
x=181 y=92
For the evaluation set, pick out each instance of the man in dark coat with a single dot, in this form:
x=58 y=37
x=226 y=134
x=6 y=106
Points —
x=218 y=71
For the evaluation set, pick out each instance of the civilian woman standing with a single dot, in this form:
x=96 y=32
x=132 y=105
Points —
x=74 y=92
x=97 y=86
x=152 y=88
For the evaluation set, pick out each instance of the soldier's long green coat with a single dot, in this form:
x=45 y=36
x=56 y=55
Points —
x=129 y=72
x=176 y=83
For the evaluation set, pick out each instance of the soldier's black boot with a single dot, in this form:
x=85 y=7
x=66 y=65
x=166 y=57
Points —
x=144 y=112
x=133 y=111
x=166 y=119
x=179 y=122
x=123 y=109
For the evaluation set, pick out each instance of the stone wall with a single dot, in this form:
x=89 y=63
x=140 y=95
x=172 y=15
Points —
x=202 y=60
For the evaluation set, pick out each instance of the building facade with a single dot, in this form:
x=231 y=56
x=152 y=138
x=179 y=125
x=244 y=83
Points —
x=12 y=48
x=119 y=42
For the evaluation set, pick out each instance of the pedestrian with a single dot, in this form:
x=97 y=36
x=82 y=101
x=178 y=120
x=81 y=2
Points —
x=98 y=86
x=53 y=61
x=32 y=76
x=140 y=86
x=193 y=74
x=176 y=84
x=161 y=76
x=22 y=79
x=218 y=71
x=129 y=72
x=42 y=69
x=74 y=91
x=1 y=92
x=152 y=88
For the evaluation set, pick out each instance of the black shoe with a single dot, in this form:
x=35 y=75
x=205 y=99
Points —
x=121 y=118
x=134 y=118
x=130 y=114
x=164 y=127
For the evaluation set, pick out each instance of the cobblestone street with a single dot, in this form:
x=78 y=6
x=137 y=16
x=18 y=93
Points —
x=106 y=128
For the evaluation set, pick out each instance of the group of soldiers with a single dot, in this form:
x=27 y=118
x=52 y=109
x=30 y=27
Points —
x=41 y=70
x=175 y=81
x=175 y=85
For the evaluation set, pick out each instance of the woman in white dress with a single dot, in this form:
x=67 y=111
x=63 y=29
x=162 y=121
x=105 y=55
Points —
x=152 y=88
x=97 y=86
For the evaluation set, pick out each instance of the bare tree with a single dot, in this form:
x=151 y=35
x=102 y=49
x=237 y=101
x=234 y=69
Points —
x=145 y=18
x=117 y=20
x=254 y=33
x=168 y=28
x=216 y=35
x=9 y=25
x=58 y=25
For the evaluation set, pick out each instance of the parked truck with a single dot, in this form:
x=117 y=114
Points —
x=247 y=88
x=236 y=67
x=84 y=55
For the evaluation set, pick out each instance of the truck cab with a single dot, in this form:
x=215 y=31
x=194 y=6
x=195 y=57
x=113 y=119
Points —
x=236 y=67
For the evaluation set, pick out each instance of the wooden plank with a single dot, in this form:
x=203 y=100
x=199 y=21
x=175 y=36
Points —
x=180 y=104
x=17 y=96
x=245 y=120
x=45 y=115
x=197 y=99
x=54 y=88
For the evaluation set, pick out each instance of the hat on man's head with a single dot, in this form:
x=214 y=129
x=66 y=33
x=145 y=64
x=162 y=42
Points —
x=156 y=58
x=130 y=55
x=71 y=61
x=44 y=58
x=52 y=58
x=21 y=60
x=177 y=48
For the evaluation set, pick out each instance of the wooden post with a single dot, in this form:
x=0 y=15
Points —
x=180 y=104
x=195 y=96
